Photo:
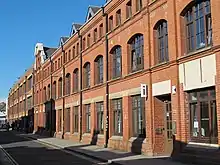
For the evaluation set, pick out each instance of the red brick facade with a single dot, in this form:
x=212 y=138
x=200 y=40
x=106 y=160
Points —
x=127 y=85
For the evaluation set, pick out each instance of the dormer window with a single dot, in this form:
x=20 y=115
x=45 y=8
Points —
x=91 y=12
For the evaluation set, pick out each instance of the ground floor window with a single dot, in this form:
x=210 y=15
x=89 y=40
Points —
x=118 y=124
x=138 y=116
x=67 y=120
x=203 y=115
x=100 y=117
x=88 y=118
x=76 y=119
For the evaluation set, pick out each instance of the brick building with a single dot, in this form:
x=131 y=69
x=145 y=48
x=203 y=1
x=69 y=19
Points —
x=88 y=89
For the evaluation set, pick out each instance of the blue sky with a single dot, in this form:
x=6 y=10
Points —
x=23 y=23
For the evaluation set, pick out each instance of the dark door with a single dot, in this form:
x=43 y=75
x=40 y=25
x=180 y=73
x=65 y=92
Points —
x=203 y=116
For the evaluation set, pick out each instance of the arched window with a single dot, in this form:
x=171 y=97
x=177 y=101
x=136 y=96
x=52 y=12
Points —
x=68 y=84
x=136 y=49
x=198 y=24
x=76 y=80
x=99 y=70
x=116 y=61
x=60 y=88
x=54 y=92
x=161 y=42
x=87 y=75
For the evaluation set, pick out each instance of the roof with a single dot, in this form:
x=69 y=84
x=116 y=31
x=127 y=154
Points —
x=49 y=51
x=92 y=10
x=64 y=39
x=95 y=8
x=77 y=26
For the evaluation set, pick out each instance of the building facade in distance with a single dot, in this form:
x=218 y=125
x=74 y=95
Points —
x=88 y=89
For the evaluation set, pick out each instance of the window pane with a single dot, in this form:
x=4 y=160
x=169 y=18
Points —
x=194 y=120
x=204 y=112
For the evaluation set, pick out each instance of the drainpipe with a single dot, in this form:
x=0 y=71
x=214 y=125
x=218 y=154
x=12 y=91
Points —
x=33 y=97
x=63 y=88
x=51 y=99
x=25 y=107
x=81 y=83
x=107 y=77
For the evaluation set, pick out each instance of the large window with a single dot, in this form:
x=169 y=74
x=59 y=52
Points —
x=203 y=116
x=88 y=118
x=116 y=62
x=118 y=120
x=138 y=114
x=76 y=80
x=87 y=75
x=76 y=119
x=99 y=69
x=100 y=117
x=198 y=25
x=137 y=52
x=161 y=42
x=67 y=120
x=68 y=84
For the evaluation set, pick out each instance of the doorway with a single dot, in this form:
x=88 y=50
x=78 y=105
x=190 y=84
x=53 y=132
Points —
x=203 y=116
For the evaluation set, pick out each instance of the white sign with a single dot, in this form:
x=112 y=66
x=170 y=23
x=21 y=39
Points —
x=143 y=90
x=196 y=124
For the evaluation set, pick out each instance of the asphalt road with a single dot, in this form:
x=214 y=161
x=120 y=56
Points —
x=26 y=152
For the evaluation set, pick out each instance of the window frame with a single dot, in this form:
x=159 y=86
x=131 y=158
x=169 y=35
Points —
x=116 y=69
x=76 y=119
x=88 y=117
x=99 y=70
x=118 y=17
x=100 y=117
x=116 y=111
x=76 y=80
x=135 y=118
x=87 y=75
x=129 y=9
x=190 y=23
x=136 y=44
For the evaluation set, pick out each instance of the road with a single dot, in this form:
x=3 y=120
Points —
x=26 y=152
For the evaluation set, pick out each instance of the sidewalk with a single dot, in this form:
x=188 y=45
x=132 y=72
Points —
x=102 y=154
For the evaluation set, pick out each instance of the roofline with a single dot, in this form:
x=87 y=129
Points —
x=82 y=25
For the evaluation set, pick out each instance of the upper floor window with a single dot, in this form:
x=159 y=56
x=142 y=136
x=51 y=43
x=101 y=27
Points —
x=48 y=92
x=68 y=84
x=110 y=23
x=137 y=52
x=45 y=94
x=138 y=5
x=128 y=9
x=161 y=42
x=99 y=69
x=95 y=35
x=101 y=30
x=77 y=49
x=55 y=65
x=198 y=25
x=87 y=75
x=60 y=88
x=84 y=43
x=69 y=55
x=116 y=61
x=88 y=40
x=54 y=92
x=74 y=52
x=118 y=17
x=59 y=63
x=76 y=80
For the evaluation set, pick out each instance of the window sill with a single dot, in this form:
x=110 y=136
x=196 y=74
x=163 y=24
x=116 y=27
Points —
x=100 y=135
x=160 y=64
x=132 y=139
x=116 y=137
x=134 y=72
x=86 y=134
x=195 y=53
x=114 y=79
x=75 y=133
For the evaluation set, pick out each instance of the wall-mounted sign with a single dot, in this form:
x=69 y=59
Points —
x=144 y=90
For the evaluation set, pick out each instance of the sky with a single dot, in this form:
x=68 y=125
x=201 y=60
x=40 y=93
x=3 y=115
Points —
x=23 y=23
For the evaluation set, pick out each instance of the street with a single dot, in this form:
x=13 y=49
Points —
x=26 y=152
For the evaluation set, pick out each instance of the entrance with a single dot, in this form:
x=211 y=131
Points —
x=168 y=128
x=203 y=116
x=166 y=108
